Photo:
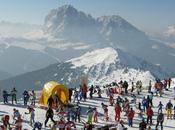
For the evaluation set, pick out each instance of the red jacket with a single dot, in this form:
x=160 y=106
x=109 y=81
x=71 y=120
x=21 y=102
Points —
x=131 y=114
x=149 y=112
x=118 y=109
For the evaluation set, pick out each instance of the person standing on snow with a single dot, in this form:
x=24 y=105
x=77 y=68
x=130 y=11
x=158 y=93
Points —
x=160 y=119
x=49 y=114
x=77 y=113
x=160 y=106
x=118 y=111
x=105 y=108
x=111 y=98
x=18 y=123
x=16 y=114
x=125 y=86
x=149 y=86
x=89 y=115
x=169 y=82
x=33 y=98
x=5 y=96
x=91 y=89
x=130 y=116
x=32 y=114
x=95 y=115
x=13 y=94
x=25 y=97
x=169 y=107
x=149 y=113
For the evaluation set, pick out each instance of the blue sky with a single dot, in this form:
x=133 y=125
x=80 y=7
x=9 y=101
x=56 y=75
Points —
x=148 y=15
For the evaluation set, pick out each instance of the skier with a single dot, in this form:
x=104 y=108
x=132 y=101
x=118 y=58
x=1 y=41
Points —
x=169 y=82
x=5 y=121
x=71 y=115
x=132 y=88
x=118 y=110
x=169 y=107
x=75 y=95
x=49 y=114
x=111 y=98
x=32 y=114
x=50 y=101
x=105 y=108
x=18 y=124
x=119 y=100
x=33 y=98
x=160 y=119
x=70 y=94
x=84 y=91
x=130 y=116
x=13 y=94
x=37 y=125
x=144 y=104
x=149 y=113
x=25 y=97
x=125 y=86
x=5 y=96
x=16 y=114
x=89 y=115
x=142 y=125
x=149 y=86
x=140 y=114
x=160 y=106
x=95 y=115
x=91 y=89
x=99 y=91
x=78 y=113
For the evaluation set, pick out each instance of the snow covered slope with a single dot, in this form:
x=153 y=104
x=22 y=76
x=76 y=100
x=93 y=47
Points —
x=108 y=64
x=96 y=102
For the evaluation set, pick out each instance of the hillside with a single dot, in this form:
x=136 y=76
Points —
x=100 y=67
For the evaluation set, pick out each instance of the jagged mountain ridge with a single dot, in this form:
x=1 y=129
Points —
x=101 y=66
x=68 y=23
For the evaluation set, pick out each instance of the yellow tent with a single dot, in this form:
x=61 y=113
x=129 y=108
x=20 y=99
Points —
x=52 y=88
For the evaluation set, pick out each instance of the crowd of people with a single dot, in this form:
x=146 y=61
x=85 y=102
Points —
x=121 y=96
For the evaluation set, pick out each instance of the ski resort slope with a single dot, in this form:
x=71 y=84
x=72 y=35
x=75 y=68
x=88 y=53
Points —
x=96 y=102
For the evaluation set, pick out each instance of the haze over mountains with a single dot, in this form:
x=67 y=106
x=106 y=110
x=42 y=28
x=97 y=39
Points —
x=68 y=33
x=101 y=66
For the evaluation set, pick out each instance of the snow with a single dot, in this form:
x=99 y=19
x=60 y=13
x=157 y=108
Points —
x=132 y=75
x=106 y=56
x=95 y=102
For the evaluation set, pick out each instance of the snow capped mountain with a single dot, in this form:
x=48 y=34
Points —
x=106 y=56
x=107 y=64
x=100 y=66
x=114 y=22
x=68 y=23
